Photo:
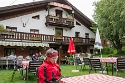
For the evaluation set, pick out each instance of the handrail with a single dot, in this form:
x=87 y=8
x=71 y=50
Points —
x=22 y=36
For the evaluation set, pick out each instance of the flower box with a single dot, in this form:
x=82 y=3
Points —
x=69 y=19
x=4 y=31
x=35 y=37
x=78 y=40
x=54 y=17
x=58 y=36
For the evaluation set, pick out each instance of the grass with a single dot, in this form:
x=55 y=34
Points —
x=65 y=69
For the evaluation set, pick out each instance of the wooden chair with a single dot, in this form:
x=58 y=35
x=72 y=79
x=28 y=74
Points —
x=86 y=62
x=120 y=65
x=33 y=65
x=96 y=64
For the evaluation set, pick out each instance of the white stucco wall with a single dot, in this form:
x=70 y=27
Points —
x=40 y=24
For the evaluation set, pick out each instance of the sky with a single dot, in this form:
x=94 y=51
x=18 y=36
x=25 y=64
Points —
x=85 y=6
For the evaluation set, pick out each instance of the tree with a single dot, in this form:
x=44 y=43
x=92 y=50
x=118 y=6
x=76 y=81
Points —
x=110 y=18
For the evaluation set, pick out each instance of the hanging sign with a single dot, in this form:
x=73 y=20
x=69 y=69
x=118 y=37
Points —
x=60 y=5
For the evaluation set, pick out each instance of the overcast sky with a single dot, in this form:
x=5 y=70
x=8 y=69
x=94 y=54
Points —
x=85 y=6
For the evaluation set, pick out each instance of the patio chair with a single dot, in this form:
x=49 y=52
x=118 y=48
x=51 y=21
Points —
x=3 y=63
x=18 y=66
x=96 y=64
x=86 y=62
x=78 y=62
x=11 y=63
x=120 y=65
x=33 y=65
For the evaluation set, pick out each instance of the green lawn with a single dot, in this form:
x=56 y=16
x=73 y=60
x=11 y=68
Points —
x=65 y=69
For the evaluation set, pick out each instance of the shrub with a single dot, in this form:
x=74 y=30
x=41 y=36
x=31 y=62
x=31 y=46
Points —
x=108 y=50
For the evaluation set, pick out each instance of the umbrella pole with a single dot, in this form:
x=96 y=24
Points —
x=60 y=48
x=74 y=59
x=101 y=53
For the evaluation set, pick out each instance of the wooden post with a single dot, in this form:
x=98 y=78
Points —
x=48 y=7
x=60 y=53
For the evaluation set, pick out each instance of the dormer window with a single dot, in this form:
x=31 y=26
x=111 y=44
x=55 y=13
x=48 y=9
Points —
x=36 y=17
x=77 y=23
x=86 y=35
x=77 y=34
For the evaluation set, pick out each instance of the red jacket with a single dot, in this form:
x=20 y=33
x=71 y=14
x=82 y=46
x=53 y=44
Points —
x=48 y=72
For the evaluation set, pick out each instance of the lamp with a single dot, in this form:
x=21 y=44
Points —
x=73 y=12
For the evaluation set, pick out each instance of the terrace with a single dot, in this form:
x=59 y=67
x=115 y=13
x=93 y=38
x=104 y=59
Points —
x=65 y=69
x=31 y=37
x=56 y=21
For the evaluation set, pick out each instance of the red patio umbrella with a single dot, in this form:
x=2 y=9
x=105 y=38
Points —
x=71 y=48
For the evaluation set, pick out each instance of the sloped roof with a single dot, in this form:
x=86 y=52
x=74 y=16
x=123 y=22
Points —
x=4 y=11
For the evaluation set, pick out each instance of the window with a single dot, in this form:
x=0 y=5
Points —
x=59 y=13
x=8 y=51
x=36 y=17
x=77 y=23
x=33 y=51
x=58 y=32
x=77 y=34
x=34 y=31
x=86 y=35
x=14 y=29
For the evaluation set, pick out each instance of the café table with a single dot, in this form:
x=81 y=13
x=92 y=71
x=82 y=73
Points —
x=111 y=60
x=93 y=78
x=25 y=64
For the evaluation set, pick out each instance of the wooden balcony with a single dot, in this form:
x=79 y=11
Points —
x=61 y=22
x=30 y=37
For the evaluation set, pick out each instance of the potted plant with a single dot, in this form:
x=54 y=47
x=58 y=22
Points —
x=5 y=31
x=69 y=18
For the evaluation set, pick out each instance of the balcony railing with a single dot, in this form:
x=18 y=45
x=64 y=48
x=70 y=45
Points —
x=21 y=36
x=57 y=21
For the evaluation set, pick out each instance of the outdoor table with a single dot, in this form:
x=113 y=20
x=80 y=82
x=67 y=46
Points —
x=111 y=60
x=93 y=78
x=25 y=64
